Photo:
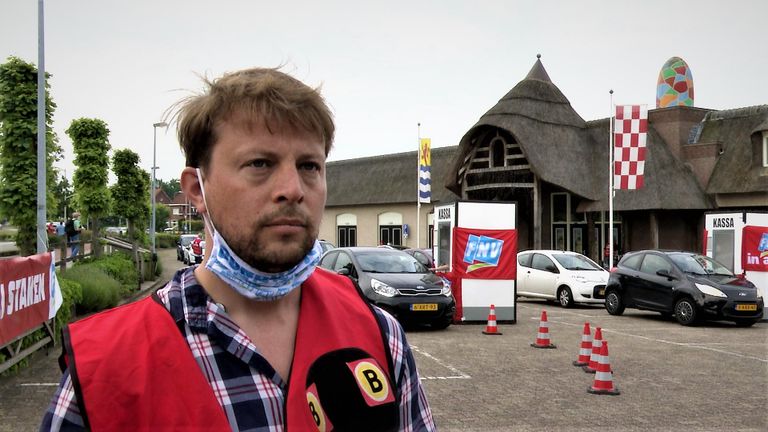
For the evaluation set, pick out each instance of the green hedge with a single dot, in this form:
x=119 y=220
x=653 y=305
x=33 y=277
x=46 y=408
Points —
x=100 y=290
x=119 y=266
x=164 y=240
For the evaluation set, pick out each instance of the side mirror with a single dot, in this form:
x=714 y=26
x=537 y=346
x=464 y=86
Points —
x=665 y=273
x=343 y=271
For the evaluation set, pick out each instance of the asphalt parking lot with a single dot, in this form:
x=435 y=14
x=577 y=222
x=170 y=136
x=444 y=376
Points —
x=712 y=377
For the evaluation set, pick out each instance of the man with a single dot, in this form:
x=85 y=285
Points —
x=268 y=341
x=73 y=229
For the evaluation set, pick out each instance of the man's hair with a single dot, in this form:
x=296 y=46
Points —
x=261 y=96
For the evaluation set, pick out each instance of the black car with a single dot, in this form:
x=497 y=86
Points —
x=396 y=282
x=423 y=256
x=684 y=284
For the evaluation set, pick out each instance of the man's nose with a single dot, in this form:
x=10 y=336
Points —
x=287 y=185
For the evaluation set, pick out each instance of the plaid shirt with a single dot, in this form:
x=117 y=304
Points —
x=249 y=390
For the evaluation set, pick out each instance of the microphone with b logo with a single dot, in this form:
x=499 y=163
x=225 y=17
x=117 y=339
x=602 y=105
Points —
x=348 y=390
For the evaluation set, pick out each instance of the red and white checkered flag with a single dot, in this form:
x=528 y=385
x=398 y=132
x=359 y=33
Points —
x=630 y=131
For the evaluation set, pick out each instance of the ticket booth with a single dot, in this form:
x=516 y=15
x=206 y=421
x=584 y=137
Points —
x=739 y=240
x=478 y=243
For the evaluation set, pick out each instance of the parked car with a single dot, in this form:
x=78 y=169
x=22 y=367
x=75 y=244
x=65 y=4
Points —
x=423 y=256
x=326 y=245
x=183 y=241
x=567 y=277
x=396 y=282
x=684 y=284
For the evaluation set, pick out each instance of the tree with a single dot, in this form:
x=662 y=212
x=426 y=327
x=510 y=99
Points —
x=130 y=195
x=18 y=149
x=91 y=145
x=162 y=214
x=171 y=187
x=62 y=190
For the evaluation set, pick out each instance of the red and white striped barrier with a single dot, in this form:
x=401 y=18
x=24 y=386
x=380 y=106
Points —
x=603 y=383
x=585 y=351
x=542 y=337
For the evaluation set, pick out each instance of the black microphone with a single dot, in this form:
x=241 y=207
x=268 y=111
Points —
x=348 y=390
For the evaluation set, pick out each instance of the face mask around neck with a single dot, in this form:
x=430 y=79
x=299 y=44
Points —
x=246 y=280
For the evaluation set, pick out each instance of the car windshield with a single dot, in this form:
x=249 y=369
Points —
x=576 y=262
x=699 y=264
x=186 y=240
x=377 y=262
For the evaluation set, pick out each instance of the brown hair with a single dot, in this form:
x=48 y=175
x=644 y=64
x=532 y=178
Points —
x=266 y=96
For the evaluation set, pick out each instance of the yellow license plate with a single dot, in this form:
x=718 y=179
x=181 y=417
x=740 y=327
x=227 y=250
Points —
x=746 y=307
x=424 y=307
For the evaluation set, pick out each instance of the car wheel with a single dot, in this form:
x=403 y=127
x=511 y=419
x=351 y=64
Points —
x=565 y=297
x=614 y=304
x=745 y=322
x=685 y=311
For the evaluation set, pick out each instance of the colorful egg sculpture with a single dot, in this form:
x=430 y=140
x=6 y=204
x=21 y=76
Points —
x=675 y=84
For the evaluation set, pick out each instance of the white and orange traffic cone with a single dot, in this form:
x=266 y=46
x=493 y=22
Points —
x=597 y=344
x=491 y=328
x=585 y=351
x=542 y=337
x=603 y=383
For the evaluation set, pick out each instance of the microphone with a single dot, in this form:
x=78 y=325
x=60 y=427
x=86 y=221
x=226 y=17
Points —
x=348 y=390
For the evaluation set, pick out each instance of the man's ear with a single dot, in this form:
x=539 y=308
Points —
x=190 y=184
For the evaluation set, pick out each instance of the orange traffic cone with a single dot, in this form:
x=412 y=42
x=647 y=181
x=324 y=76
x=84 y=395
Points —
x=586 y=347
x=542 y=337
x=491 y=328
x=597 y=344
x=603 y=383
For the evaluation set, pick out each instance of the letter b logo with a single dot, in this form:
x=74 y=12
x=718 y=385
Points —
x=373 y=383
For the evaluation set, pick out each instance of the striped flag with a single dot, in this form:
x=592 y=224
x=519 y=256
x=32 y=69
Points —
x=425 y=163
x=630 y=132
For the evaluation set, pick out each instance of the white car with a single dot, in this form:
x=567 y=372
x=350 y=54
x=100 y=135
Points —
x=563 y=276
x=190 y=257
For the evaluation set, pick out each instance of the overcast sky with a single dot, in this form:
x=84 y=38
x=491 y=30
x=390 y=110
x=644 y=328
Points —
x=384 y=65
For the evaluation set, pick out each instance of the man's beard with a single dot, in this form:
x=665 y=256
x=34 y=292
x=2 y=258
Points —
x=278 y=256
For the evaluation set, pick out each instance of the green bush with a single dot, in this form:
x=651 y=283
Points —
x=119 y=266
x=100 y=291
x=166 y=240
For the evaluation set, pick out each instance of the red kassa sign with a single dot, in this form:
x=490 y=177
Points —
x=24 y=294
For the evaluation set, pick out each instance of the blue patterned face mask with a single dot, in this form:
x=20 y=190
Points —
x=246 y=280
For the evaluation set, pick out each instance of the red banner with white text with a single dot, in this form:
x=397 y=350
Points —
x=25 y=294
x=484 y=254
x=754 y=248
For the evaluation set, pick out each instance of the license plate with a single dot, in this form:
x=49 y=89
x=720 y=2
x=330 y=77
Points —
x=746 y=307
x=424 y=307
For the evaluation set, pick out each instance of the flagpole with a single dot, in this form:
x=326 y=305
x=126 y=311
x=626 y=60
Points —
x=610 y=184
x=418 y=174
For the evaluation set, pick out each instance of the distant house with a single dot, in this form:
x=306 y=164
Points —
x=161 y=197
x=181 y=209
x=534 y=149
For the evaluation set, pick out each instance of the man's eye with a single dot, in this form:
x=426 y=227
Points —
x=310 y=166
x=259 y=163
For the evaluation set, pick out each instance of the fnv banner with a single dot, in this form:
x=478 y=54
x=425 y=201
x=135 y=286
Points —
x=484 y=254
x=29 y=294
x=754 y=248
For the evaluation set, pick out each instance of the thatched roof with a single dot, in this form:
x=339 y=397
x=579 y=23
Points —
x=387 y=179
x=566 y=151
x=738 y=169
x=551 y=134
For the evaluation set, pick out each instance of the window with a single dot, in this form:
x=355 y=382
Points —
x=653 y=263
x=498 y=152
x=524 y=260
x=765 y=149
x=176 y=211
x=540 y=262
x=327 y=261
x=632 y=261
x=343 y=261
x=347 y=236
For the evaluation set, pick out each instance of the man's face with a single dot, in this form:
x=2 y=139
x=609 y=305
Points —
x=265 y=193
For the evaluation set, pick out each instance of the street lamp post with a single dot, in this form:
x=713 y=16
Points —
x=152 y=185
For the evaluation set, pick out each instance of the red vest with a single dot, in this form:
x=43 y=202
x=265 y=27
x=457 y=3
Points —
x=132 y=370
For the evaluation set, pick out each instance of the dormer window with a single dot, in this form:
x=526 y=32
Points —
x=498 y=152
x=765 y=149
